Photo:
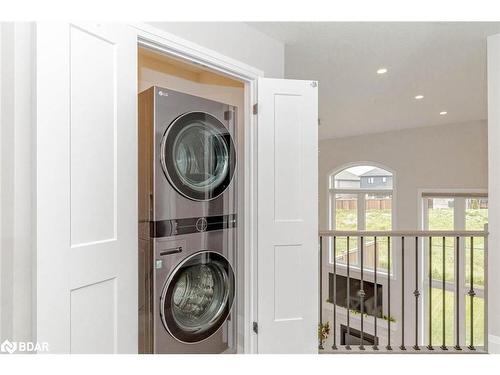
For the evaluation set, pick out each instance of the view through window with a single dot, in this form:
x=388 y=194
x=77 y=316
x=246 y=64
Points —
x=361 y=199
x=456 y=213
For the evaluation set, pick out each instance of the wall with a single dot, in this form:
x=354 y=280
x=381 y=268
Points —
x=440 y=157
x=494 y=189
x=233 y=39
x=16 y=176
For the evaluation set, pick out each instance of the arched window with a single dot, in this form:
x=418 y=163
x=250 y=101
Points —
x=360 y=198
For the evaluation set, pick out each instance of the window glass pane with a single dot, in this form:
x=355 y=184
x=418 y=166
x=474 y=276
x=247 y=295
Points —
x=440 y=217
x=478 y=319
x=364 y=177
x=378 y=216
x=346 y=218
x=476 y=216
x=437 y=317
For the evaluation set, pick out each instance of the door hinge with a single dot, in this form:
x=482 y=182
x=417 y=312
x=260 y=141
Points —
x=255 y=327
x=256 y=108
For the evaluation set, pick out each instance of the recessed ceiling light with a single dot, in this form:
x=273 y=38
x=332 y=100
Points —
x=418 y=97
x=382 y=71
x=442 y=113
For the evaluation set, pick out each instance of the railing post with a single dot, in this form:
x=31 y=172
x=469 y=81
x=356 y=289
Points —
x=402 y=347
x=334 y=346
x=443 y=287
x=457 y=295
x=472 y=293
x=362 y=296
x=375 y=346
x=416 y=293
x=485 y=287
x=348 y=347
x=320 y=312
x=429 y=346
x=388 y=347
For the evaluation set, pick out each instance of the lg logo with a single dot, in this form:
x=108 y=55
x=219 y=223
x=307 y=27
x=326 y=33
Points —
x=201 y=224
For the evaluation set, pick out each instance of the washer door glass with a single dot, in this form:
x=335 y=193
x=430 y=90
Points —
x=197 y=297
x=198 y=156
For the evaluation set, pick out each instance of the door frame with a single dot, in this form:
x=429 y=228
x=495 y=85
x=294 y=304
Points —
x=167 y=43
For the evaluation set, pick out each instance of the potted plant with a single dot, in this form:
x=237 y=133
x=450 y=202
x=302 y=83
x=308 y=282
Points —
x=323 y=332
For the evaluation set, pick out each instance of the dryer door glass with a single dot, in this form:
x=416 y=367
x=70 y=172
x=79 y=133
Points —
x=198 y=156
x=197 y=297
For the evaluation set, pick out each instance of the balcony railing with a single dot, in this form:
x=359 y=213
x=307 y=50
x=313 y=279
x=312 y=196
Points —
x=350 y=324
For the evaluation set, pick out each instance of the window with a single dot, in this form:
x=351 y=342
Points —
x=455 y=212
x=357 y=202
x=384 y=179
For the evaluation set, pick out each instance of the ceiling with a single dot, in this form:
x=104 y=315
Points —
x=445 y=62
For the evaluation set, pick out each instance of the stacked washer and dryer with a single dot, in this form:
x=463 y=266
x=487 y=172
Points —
x=187 y=223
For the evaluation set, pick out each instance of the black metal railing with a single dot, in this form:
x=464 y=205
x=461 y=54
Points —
x=417 y=320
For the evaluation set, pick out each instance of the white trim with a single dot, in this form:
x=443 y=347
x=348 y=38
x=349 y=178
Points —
x=187 y=50
x=1 y=169
x=493 y=344
x=168 y=43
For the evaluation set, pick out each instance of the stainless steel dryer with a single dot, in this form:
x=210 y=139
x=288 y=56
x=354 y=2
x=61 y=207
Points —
x=187 y=223
x=192 y=158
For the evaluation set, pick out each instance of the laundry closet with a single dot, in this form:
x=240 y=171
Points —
x=176 y=196
x=190 y=134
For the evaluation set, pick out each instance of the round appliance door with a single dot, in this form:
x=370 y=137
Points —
x=197 y=297
x=198 y=156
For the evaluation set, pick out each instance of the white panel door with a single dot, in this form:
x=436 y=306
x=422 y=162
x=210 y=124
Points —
x=86 y=188
x=287 y=216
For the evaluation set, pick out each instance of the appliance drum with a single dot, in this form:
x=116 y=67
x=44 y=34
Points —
x=197 y=297
x=198 y=156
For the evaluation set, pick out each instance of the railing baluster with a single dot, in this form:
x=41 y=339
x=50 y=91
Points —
x=457 y=295
x=416 y=293
x=334 y=346
x=443 y=286
x=362 y=297
x=320 y=346
x=429 y=346
x=485 y=288
x=375 y=346
x=402 y=347
x=472 y=294
x=388 y=347
x=348 y=347
x=379 y=310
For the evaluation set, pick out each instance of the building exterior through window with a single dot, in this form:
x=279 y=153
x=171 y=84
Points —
x=360 y=198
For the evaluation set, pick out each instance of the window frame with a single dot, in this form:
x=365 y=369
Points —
x=459 y=222
x=332 y=191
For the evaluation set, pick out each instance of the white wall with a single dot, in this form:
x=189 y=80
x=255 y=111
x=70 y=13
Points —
x=236 y=40
x=440 y=157
x=16 y=174
x=494 y=189
x=449 y=156
x=1 y=170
